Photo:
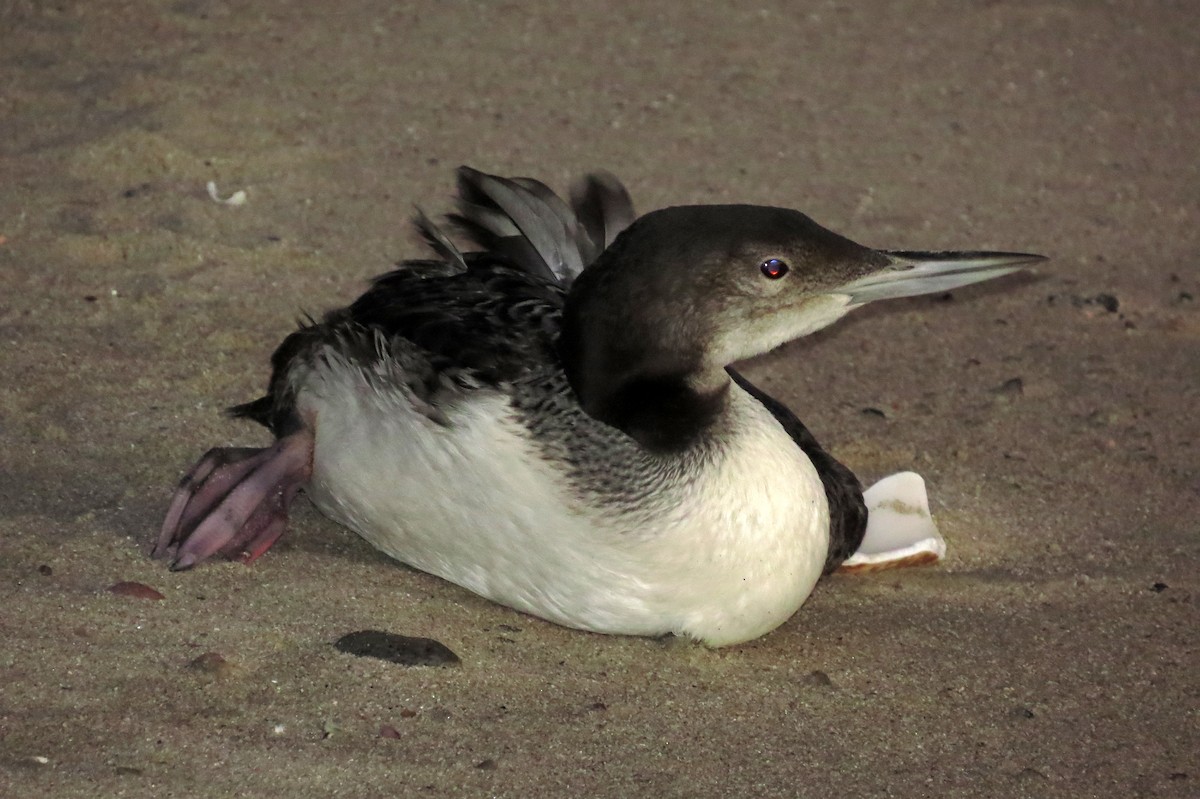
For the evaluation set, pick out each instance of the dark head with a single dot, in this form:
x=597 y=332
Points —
x=686 y=291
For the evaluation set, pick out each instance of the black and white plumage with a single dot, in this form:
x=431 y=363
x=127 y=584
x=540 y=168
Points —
x=552 y=421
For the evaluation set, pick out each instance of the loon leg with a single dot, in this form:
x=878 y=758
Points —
x=234 y=502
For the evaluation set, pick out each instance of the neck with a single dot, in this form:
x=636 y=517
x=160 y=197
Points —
x=666 y=401
x=663 y=413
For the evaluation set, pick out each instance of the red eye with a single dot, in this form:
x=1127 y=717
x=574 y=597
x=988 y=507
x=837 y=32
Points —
x=774 y=268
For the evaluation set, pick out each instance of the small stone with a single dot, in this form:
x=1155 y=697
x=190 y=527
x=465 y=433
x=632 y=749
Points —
x=876 y=412
x=136 y=590
x=402 y=649
x=45 y=570
x=1158 y=588
x=1013 y=387
x=817 y=679
x=213 y=664
x=408 y=713
x=388 y=731
x=486 y=765
x=1023 y=713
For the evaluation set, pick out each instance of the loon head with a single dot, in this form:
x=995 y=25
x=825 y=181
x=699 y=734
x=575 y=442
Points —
x=685 y=291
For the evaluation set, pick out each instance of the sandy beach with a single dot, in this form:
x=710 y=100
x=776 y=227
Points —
x=1054 y=415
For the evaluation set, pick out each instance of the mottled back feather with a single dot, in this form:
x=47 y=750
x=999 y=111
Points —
x=484 y=318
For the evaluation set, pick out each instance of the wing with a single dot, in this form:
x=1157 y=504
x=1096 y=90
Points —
x=529 y=225
x=493 y=323
x=479 y=319
x=485 y=327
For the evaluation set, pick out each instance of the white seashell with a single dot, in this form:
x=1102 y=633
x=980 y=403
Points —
x=237 y=198
x=900 y=529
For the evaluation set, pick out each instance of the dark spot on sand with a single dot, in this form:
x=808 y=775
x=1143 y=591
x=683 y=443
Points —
x=212 y=664
x=1108 y=302
x=817 y=679
x=1158 y=588
x=1013 y=387
x=45 y=570
x=402 y=649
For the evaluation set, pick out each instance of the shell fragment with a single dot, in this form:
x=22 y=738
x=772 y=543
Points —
x=900 y=529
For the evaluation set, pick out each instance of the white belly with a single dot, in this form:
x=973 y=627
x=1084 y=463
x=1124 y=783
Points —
x=730 y=557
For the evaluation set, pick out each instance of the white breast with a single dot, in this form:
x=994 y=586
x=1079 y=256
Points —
x=732 y=557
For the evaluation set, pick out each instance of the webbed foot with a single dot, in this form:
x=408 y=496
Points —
x=234 y=502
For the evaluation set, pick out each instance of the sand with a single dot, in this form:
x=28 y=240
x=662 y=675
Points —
x=1054 y=416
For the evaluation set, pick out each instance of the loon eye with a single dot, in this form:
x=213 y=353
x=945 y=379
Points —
x=774 y=268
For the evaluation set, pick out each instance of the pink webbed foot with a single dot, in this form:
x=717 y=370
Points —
x=234 y=502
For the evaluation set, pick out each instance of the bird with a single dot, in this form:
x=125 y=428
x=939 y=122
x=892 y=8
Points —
x=550 y=416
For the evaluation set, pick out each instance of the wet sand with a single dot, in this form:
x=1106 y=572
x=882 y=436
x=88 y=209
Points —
x=1054 y=416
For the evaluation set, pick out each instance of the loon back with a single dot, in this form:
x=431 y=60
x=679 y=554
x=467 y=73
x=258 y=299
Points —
x=508 y=294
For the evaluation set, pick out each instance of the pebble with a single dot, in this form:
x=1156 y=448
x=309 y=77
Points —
x=818 y=679
x=402 y=649
x=136 y=590
x=213 y=664
x=1012 y=387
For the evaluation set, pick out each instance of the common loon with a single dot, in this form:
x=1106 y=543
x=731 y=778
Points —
x=553 y=422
